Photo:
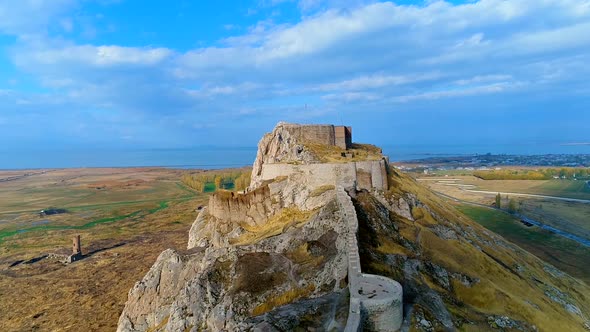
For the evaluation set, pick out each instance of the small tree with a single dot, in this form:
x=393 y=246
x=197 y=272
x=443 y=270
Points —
x=217 y=181
x=498 y=201
x=512 y=205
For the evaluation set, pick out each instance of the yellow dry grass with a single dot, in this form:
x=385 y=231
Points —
x=160 y=325
x=321 y=189
x=92 y=291
x=282 y=299
x=422 y=216
x=302 y=256
x=502 y=289
x=333 y=154
x=287 y=217
x=387 y=246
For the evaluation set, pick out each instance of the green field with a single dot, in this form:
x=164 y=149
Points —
x=125 y=219
x=564 y=188
x=571 y=217
x=91 y=197
x=560 y=188
x=563 y=253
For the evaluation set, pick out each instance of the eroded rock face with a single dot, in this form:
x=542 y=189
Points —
x=280 y=146
x=221 y=286
x=150 y=299
x=274 y=259
x=227 y=216
x=455 y=273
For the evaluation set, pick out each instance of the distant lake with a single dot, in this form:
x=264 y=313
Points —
x=225 y=157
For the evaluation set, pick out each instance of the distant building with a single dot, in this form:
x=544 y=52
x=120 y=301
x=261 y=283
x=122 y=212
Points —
x=340 y=136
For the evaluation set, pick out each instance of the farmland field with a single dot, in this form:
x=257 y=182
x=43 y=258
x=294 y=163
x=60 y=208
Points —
x=565 y=254
x=572 y=217
x=568 y=216
x=555 y=187
x=125 y=218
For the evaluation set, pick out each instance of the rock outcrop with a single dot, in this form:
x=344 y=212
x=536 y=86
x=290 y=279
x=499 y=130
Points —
x=275 y=259
x=281 y=243
x=281 y=146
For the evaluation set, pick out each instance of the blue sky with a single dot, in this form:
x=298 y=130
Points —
x=172 y=74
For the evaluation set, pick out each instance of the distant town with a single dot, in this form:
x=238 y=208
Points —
x=491 y=161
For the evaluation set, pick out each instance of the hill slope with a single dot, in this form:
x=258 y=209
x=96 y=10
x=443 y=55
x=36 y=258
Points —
x=455 y=272
x=275 y=259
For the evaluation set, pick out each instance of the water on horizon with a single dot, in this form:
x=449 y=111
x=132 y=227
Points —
x=226 y=157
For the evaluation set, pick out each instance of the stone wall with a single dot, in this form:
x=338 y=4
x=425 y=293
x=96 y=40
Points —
x=314 y=175
x=377 y=171
x=340 y=136
x=318 y=134
x=359 y=175
x=354 y=323
x=291 y=144
x=375 y=301
x=253 y=207
x=343 y=136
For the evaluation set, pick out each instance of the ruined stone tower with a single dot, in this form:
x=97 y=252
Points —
x=76 y=249
x=343 y=137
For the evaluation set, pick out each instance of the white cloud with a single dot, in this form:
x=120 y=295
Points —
x=365 y=54
x=99 y=56
x=483 y=79
x=459 y=92
x=376 y=81
x=352 y=96
x=31 y=17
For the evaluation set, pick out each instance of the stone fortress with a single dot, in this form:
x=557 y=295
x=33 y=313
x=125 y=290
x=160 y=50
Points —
x=340 y=136
x=285 y=245
x=361 y=174
x=374 y=300
x=289 y=254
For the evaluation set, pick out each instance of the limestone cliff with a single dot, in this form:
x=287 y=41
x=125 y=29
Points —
x=248 y=254
x=282 y=145
x=275 y=259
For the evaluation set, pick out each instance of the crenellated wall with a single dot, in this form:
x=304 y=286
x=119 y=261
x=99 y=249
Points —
x=253 y=207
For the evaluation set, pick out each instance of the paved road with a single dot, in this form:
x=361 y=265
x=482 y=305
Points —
x=585 y=201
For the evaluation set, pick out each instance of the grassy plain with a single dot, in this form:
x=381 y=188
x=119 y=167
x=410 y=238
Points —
x=565 y=254
x=572 y=217
x=125 y=217
x=554 y=187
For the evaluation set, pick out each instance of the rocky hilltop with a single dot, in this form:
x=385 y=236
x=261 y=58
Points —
x=318 y=241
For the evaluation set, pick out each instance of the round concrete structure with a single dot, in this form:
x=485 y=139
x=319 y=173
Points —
x=381 y=301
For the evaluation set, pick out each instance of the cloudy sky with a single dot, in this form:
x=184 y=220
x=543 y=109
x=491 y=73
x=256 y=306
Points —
x=171 y=74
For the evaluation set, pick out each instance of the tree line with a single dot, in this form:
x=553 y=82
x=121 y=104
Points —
x=537 y=174
x=512 y=207
x=209 y=182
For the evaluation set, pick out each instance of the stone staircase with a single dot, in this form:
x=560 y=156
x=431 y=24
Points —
x=375 y=301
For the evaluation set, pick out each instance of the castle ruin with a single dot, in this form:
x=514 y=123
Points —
x=76 y=250
x=374 y=300
x=340 y=136
x=286 y=143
